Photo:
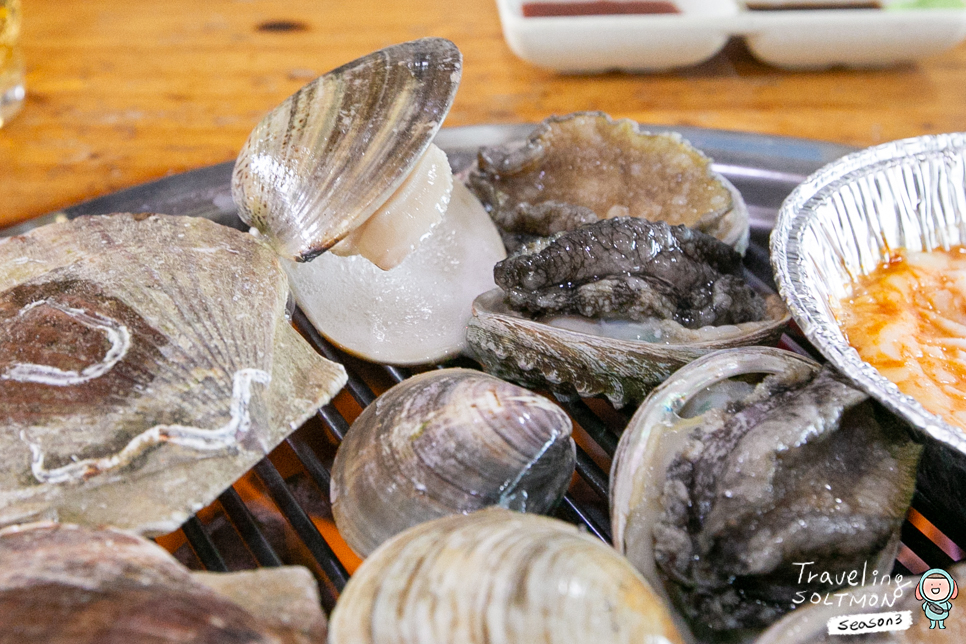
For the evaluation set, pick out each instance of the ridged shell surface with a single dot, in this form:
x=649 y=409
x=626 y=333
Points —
x=321 y=162
x=499 y=577
x=445 y=442
x=67 y=584
x=146 y=362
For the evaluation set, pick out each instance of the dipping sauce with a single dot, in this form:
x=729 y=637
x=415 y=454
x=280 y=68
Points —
x=596 y=8
x=908 y=320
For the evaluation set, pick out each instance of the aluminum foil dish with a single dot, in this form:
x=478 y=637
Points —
x=846 y=219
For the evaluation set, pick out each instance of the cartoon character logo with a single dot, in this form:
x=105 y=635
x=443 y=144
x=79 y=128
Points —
x=936 y=589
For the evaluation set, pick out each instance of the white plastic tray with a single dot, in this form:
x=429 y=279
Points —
x=792 y=39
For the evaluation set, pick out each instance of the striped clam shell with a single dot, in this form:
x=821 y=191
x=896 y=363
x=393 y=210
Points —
x=444 y=442
x=500 y=577
x=325 y=159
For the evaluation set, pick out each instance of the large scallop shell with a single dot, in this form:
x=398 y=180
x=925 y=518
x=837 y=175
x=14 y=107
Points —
x=325 y=159
x=146 y=363
x=498 y=576
x=66 y=584
x=719 y=485
x=447 y=442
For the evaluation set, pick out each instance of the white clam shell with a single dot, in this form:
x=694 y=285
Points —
x=498 y=576
x=325 y=159
x=146 y=362
x=451 y=441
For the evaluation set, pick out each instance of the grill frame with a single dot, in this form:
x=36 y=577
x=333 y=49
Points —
x=765 y=169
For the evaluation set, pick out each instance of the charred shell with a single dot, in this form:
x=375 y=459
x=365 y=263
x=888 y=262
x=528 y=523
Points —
x=444 y=442
x=724 y=480
x=146 y=362
x=616 y=306
x=498 y=576
x=583 y=167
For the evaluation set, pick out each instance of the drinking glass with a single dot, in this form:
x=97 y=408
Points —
x=11 y=61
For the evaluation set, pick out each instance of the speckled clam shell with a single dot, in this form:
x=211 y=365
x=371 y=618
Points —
x=146 y=362
x=498 y=576
x=534 y=354
x=321 y=162
x=445 y=442
x=65 y=584
x=610 y=167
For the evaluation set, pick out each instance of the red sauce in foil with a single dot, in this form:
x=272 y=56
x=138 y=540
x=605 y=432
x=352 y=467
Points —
x=597 y=8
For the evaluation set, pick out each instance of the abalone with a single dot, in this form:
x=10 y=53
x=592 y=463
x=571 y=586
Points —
x=579 y=168
x=498 y=576
x=147 y=362
x=746 y=462
x=615 y=306
x=448 y=441
x=66 y=584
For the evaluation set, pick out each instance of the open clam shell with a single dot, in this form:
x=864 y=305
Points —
x=444 y=442
x=850 y=216
x=498 y=576
x=535 y=354
x=720 y=484
x=325 y=159
x=147 y=362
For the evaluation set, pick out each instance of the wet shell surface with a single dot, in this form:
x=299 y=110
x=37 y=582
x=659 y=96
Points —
x=498 y=576
x=583 y=167
x=444 y=442
x=146 y=362
x=330 y=155
x=66 y=584
x=722 y=482
x=573 y=356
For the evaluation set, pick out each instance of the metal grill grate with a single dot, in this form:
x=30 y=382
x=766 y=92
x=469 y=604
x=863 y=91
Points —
x=930 y=534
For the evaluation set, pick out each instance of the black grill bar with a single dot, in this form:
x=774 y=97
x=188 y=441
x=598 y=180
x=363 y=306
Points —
x=591 y=423
x=334 y=421
x=319 y=473
x=300 y=521
x=203 y=546
x=355 y=385
x=592 y=474
x=237 y=512
x=573 y=512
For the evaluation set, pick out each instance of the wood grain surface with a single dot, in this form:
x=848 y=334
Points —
x=120 y=93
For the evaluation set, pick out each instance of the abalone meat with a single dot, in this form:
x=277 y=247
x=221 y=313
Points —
x=615 y=306
x=583 y=167
x=750 y=461
x=498 y=576
x=66 y=584
x=347 y=164
x=146 y=362
x=450 y=441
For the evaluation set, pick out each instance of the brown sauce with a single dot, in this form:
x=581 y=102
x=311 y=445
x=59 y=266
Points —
x=597 y=8
x=908 y=320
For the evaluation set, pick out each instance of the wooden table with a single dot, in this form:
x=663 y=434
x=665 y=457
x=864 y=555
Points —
x=125 y=92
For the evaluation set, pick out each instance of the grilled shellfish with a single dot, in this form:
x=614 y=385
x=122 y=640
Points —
x=146 y=362
x=720 y=485
x=498 y=576
x=446 y=442
x=347 y=164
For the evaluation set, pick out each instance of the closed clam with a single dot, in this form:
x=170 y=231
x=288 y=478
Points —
x=146 y=362
x=347 y=165
x=445 y=442
x=724 y=480
x=498 y=576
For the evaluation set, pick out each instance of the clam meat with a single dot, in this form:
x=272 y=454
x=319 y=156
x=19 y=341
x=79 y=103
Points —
x=146 y=362
x=449 y=441
x=584 y=167
x=498 y=576
x=347 y=164
x=613 y=307
x=745 y=463
x=67 y=584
